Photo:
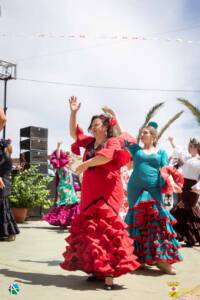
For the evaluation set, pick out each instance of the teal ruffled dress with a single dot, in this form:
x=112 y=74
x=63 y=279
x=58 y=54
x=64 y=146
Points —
x=149 y=223
x=65 y=190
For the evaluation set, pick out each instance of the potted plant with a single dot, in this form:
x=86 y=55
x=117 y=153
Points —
x=28 y=189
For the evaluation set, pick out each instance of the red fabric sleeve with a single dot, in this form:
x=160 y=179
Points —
x=81 y=141
x=113 y=151
x=108 y=151
x=165 y=172
x=126 y=137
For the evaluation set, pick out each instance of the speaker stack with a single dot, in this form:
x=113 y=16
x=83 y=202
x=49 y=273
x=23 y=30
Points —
x=33 y=147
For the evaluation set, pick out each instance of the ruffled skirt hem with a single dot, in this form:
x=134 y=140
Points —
x=62 y=215
x=151 y=227
x=8 y=225
x=99 y=243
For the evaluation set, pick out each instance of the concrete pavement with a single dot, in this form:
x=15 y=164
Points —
x=33 y=261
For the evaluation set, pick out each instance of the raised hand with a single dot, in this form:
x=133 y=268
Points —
x=170 y=139
x=109 y=111
x=176 y=188
x=59 y=143
x=74 y=104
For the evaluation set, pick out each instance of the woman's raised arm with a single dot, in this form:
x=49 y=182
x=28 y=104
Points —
x=110 y=112
x=74 y=107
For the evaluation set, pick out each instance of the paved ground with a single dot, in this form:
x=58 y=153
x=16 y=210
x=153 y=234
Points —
x=33 y=261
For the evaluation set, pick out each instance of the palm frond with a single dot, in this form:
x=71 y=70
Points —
x=149 y=116
x=195 y=111
x=152 y=113
x=164 y=128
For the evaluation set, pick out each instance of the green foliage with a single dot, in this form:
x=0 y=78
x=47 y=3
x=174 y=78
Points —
x=151 y=113
x=194 y=110
x=29 y=189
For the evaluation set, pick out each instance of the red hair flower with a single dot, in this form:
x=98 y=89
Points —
x=112 y=122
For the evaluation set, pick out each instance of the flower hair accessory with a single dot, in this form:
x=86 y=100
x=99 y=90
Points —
x=153 y=124
x=112 y=122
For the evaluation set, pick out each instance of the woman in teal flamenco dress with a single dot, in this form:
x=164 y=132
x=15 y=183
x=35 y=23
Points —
x=67 y=202
x=149 y=223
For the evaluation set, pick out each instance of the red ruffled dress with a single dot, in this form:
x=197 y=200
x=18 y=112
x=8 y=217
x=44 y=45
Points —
x=98 y=242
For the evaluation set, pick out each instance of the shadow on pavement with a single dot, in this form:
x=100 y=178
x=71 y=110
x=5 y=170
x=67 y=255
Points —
x=148 y=272
x=49 y=262
x=56 y=229
x=73 y=282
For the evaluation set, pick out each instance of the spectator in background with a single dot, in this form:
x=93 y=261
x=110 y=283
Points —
x=8 y=226
x=2 y=118
x=67 y=202
x=187 y=212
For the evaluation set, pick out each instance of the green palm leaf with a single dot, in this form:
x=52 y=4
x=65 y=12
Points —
x=164 y=128
x=195 y=111
x=149 y=116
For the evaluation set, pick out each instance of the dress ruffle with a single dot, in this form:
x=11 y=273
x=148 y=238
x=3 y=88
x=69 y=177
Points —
x=165 y=173
x=59 y=162
x=99 y=243
x=153 y=234
x=114 y=152
x=62 y=215
x=8 y=225
x=187 y=213
x=82 y=141
x=126 y=138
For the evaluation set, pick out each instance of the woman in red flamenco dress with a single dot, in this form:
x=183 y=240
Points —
x=98 y=243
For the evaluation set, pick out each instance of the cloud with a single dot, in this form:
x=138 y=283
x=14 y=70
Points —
x=137 y=64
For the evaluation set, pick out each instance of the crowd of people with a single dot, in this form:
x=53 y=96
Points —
x=120 y=222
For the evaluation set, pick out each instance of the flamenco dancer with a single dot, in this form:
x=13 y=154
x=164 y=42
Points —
x=67 y=202
x=187 y=211
x=98 y=243
x=149 y=223
x=8 y=226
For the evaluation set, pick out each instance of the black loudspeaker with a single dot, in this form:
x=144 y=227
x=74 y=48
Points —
x=34 y=144
x=34 y=156
x=42 y=167
x=33 y=132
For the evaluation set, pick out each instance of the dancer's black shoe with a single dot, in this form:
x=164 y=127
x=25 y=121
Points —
x=108 y=287
x=92 y=278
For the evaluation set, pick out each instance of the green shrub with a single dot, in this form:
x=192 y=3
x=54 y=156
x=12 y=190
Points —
x=29 y=189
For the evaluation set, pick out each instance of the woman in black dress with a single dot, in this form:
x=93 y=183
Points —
x=8 y=226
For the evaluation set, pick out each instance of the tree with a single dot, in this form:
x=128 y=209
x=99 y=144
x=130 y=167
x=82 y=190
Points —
x=151 y=113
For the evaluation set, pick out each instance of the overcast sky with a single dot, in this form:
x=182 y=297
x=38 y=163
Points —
x=102 y=62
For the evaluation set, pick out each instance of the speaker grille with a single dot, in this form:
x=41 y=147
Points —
x=34 y=144
x=34 y=132
x=34 y=156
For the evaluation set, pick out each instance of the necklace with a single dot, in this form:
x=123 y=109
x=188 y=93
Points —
x=96 y=146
